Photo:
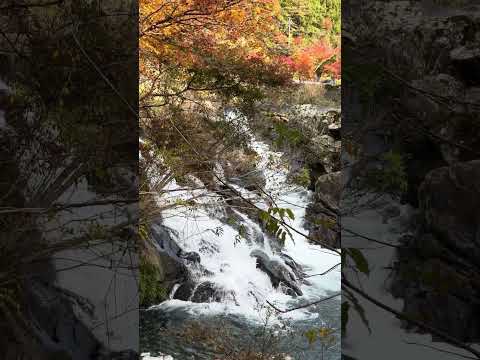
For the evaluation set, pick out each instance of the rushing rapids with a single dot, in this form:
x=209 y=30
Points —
x=234 y=267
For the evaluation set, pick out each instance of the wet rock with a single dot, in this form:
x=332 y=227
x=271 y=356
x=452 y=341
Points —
x=164 y=239
x=208 y=247
x=185 y=291
x=190 y=256
x=277 y=272
x=260 y=255
x=294 y=266
x=166 y=257
x=258 y=237
x=208 y=291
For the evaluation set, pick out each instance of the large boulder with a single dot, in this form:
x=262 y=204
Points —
x=295 y=267
x=170 y=262
x=329 y=188
x=279 y=274
x=185 y=291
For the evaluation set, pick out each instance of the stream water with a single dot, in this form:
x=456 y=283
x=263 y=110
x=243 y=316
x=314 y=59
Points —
x=226 y=261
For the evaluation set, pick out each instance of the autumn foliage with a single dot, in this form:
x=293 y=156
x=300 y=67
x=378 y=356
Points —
x=313 y=60
x=231 y=37
x=230 y=41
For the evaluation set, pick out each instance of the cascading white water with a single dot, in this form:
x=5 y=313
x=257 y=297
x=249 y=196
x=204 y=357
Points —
x=228 y=264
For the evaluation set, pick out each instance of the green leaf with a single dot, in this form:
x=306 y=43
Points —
x=290 y=214
x=359 y=259
x=311 y=336
x=264 y=216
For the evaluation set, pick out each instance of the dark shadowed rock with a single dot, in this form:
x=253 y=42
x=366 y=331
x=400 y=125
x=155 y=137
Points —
x=449 y=199
x=467 y=61
x=322 y=214
x=185 y=291
x=437 y=270
x=334 y=130
x=208 y=291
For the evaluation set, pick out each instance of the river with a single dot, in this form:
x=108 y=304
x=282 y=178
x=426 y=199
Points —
x=226 y=261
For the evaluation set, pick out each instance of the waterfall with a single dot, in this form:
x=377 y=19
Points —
x=227 y=278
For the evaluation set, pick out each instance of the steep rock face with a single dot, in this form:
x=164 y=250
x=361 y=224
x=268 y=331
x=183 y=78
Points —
x=167 y=258
x=434 y=96
x=426 y=107
x=321 y=155
x=322 y=213
x=447 y=34
x=441 y=270
x=321 y=130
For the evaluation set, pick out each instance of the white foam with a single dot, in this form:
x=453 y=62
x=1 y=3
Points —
x=147 y=356
x=232 y=266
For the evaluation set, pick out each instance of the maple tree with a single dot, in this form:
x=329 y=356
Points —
x=228 y=45
x=314 y=59
x=211 y=44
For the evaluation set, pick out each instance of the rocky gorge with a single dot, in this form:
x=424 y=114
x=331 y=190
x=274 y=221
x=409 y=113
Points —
x=426 y=110
x=224 y=254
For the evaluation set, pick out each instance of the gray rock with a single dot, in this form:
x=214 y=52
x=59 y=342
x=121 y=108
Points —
x=278 y=272
x=329 y=187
